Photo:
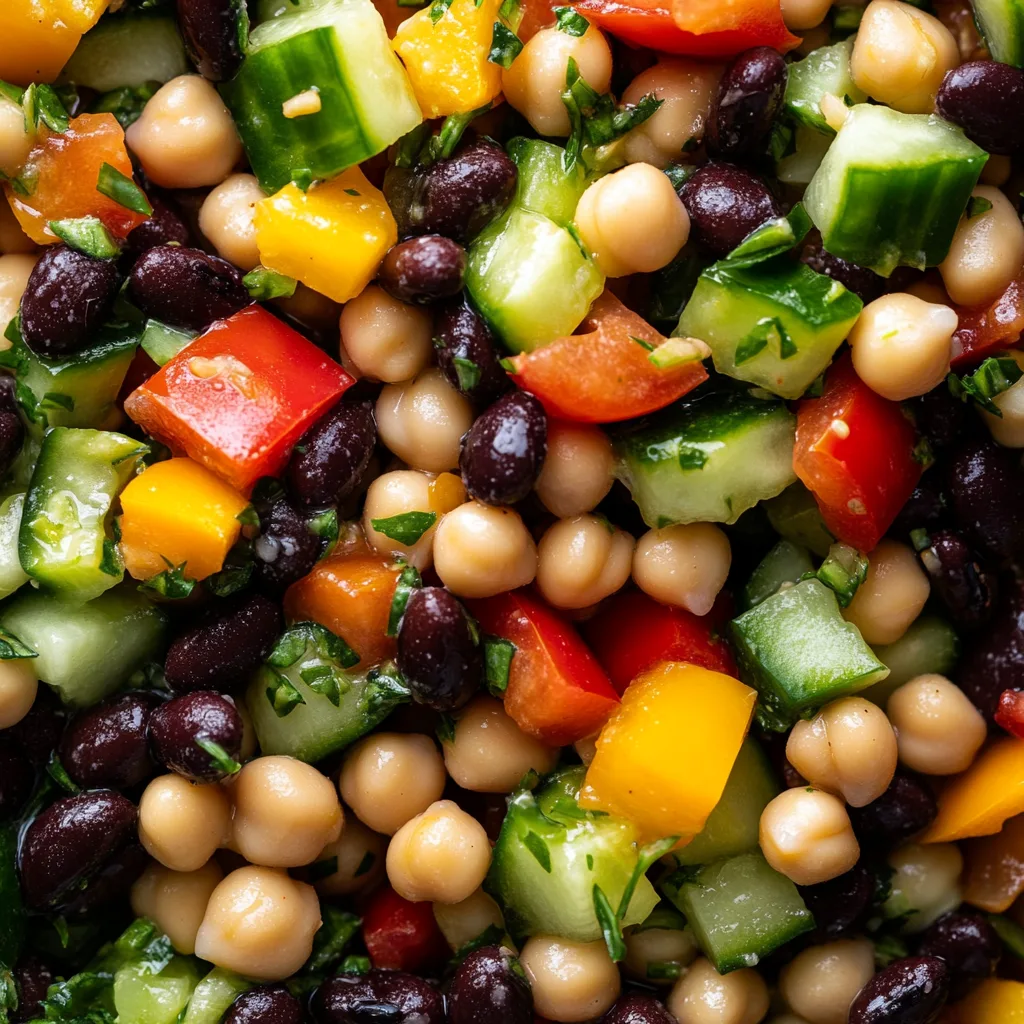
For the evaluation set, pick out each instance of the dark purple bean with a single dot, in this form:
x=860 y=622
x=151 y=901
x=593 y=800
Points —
x=286 y=548
x=424 y=269
x=112 y=883
x=437 y=652
x=105 y=746
x=12 y=430
x=905 y=808
x=986 y=486
x=925 y=509
x=38 y=733
x=67 y=297
x=489 y=986
x=725 y=204
x=185 y=287
x=909 y=991
x=467 y=351
x=268 y=1004
x=638 y=1008
x=864 y=283
x=182 y=731
x=210 y=29
x=162 y=228
x=16 y=778
x=70 y=842
x=840 y=905
x=941 y=419
x=958 y=579
x=968 y=943
x=33 y=977
x=749 y=99
x=379 y=997
x=984 y=98
x=503 y=452
x=225 y=646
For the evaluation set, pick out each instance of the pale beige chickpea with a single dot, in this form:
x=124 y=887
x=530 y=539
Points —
x=703 y=996
x=891 y=597
x=15 y=140
x=489 y=753
x=931 y=289
x=422 y=421
x=534 y=83
x=385 y=339
x=577 y=470
x=259 y=923
x=468 y=919
x=801 y=15
x=18 y=687
x=571 y=981
x=181 y=824
x=683 y=565
x=582 y=560
x=632 y=221
x=481 y=550
x=15 y=270
x=358 y=854
x=925 y=883
x=939 y=731
x=848 y=748
x=176 y=900
x=441 y=855
x=900 y=56
x=185 y=137
x=12 y=238
x=806 y=835
x=821 y=982
x=226 y=219
x=390 y=777
x=658 y=946
x=1007 y=429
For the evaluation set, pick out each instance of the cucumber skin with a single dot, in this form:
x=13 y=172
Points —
x=543 y=186
x=214 y=995
x=1001 y=23
x=824 y=70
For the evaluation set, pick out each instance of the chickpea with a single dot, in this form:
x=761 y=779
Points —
x=848 y=748
x=176 y=900
x=997 y=170
x=891 y=597
x=309 y=308
x=582 y=560
x=658 y=946
x=683 y=565
x=359 y=855
x=18 y=687
x=1008 y=429
x=481 y=550
x=390 y=777
x=469 y=918
x=15 y=140
x=259 y=923
x=586 y=748
x=226 y=219
x=571 y=981
x=931 y=289
x=15 y=270
x=925 y=883
x=801 y=15
x=385 y=339
x=181 y=824
x=806 y=835
x=632 y=221
x=901 y=55
x=703 y=996
x=12 y=238
x=822 y=981
x=534 y=83
x=577 y=470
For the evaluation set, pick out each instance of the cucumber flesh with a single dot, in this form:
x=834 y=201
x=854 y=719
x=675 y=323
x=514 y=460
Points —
x=162 y=343
x=799 y=167
x=784 y=564
x=12 y=575
x=1002 y=27
x=929 y=645
x=543 y=185
x=795 y=515
x=144 y=997
x=824 y=71
x=214 y=995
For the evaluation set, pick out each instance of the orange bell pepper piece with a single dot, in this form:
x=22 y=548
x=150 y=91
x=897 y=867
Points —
x=994 y=867
x=994 y=1001
x=40 y=35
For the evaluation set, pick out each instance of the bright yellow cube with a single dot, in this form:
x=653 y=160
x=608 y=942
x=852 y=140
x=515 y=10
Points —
x=994 y=1001
x=39 y=36
x=331 y=238
x=664 y=756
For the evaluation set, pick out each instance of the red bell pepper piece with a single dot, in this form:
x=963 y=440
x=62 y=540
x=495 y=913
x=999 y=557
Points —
x=983 y=329
x=633 y=631
x=605 y=375
x=1010 y=713
x=402 y=936
x=238 y=397
x=557 y=691
x=856 y=452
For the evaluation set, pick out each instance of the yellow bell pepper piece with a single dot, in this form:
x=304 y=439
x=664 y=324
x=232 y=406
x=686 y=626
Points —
x=178 y=511
x=994 y=1001
x=665 y=755
x=447 y=60
x=331 y=238
x=40 y=35
x=994 y=868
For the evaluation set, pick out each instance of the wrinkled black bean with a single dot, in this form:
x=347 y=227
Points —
x=984 y=98
x=12 y=431
x=162 y=228
x=225 y=646
x=488 y=986
x=906 y=807
x=841 y=904
x=286 y=548
x=111 y=884
x=925 y=509
x=986 y=487
x=968 y=943
x=423 y=269
x=67 y=297
x=186 y=287
x=16 y=778
x=909 y=991
x=503 y=452
x=864 y=283
x=330 y=458
x=437 y=652
x=33 y=977
x=105 y=746
x=725 y=204
x=941 y=419
x=638 y=1008
x=38 y=733
x=70 y=842
x=958 y=579
x=749 y=99
x=179 y=728
x=267 y=1004
x=210 y=29
x=379 y=997
x=467 y=352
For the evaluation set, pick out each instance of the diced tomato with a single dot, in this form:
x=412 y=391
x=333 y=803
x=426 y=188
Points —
x=557 y=691
x=633 y=631
x=983 y=329
x=604 y=375
x=856 y=452
x=402 y=936
x=238 y=397
x=1010 y=713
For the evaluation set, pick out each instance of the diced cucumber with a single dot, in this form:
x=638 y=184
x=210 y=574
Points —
x=740 y=909
x=145 y=996
x=267 y=9
x=785 y=563
x=824 y=71
x=929 y=645
x=843 y=571
x=12 y=575
x=543 y=185
x=213 y=995
x=551 y=853
x=341 y=48
x=800 y=653
x=799 y=166
x=87 y=651
x=708 y=458
x=795 y=515
x=892 y=187
x=162 y=343
x=1002 y=27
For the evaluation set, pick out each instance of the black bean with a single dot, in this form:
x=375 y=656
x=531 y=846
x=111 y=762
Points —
x=467 y=351
x=941 y=419
x=984 y=98
x=12 y=431
x=749 y=99
x=488 y=986
x=968 y=943
x=424 y=269
x=70 y=842
x=267 y=1004
x=503 y=452
x=105 y=746
x=905 y=808
x=16 y=778
x=67 y=297
x=437 y=651
x=179 y=729
x=33 y=977
x=864 y=283
x=841 y=904
x=112 y=883
x=163 y=227
x=210 y=29
x=331 y=457
x=909 y=991
x=958 y=579
x=379 y=997
x=225 y=646
x=38 y=733
x=185 y=287
x=925 y=509
x=725 y=204
x=986 y=486
x=286 y=548
x=638 y=1008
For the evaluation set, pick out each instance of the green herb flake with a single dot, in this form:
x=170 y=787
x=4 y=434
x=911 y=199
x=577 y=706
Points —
x=498 y=654
x=692 y=457
x=352 y=192
x=570 y=22
x=539 y=849
x=41 y=105
x=611 y=927
x=442 y=145
x=87 y=235
x=406 y=528
x=59 y=774
x=219 y=757
x=171 y=584
x=327 y=681
x=249 y=517
x=230 y=580
x=264 y=285
x=126 y=103
x=445 y=730
x=663 y=970
x=355 y=964
x=919 y=539
x=283 y=697
x=119 y=187
x=467 y=373
x=366 y=864
x=646 y=345
x=977 y=205
x=321 y=869
x=994 y=376
x=408 y=581
x=492 y=935
x=438 y=9
x=505 y=46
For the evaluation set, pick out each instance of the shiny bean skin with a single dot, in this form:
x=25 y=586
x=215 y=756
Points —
x=725 y=204
x=489 y=986
x=176 y=727
x=638 y=1008
x=986 y=485
x=68 y=296
x=926 y=508
x=162 y=228
x=864 y=283
x=185 y=287
x=113 y=881
x=464 y=342
x=503 y=452
x=958 y=579
x=905 y=808
x=266 y=1004
x=33 y=978
x=909 y=991
x=210 y=30
x=393 y=997
x=16 y=778
x=841 y=904
x=423 y=269
x=984 y=98
x=749 y=99
x=12 y=431
x=286 y=549
x=968 y=943
x=105 y=746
